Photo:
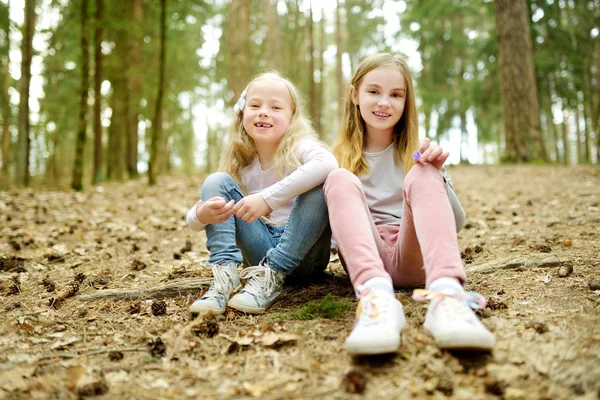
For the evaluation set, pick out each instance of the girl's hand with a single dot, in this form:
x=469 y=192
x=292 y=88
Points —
x=252 y=207
x=214 y=211
x=432 y=153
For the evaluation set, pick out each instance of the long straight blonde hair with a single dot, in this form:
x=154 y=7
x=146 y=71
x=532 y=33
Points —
x=241 y=150
x=351 y=140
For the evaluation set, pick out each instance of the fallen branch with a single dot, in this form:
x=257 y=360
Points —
x=171 y=289
x=93 y=353
x=516 y=262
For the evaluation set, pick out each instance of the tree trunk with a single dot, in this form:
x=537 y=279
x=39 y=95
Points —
x=338 y=61
x=311 y=73
x=565 y=138
x=579 y=135
x=157 y=119
x=586 y=136
x=23 y=144
x=552 y=142
x=97 y=92
x=518 y=84
x=273 y=42
x=321 y=84
x=77 y=183
x=464 y=138
x=6 y=114
x=116 y=154
x=135 y=86
x=239 y=32
x=597 y=112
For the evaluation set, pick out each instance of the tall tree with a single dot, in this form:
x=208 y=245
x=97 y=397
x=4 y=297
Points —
x=4 y=85
x=273 y=39
x=339 y=74
x=97 y=92
x=311 y=62
x=596 y=114
x=157 y=120
x=320 y=73
x=135 y=86
x=77 y=183
x=518 y=83
x=24 y=141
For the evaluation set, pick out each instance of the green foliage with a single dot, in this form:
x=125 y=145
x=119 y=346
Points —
x=328 y=307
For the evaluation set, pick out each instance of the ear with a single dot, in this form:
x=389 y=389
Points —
x=353 y=96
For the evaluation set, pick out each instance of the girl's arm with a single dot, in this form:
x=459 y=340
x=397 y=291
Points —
x=213 y=211
x=192 y=219
x=317 y=163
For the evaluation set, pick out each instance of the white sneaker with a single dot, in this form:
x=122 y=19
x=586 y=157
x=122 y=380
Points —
x=226 y=281
x=452 y=322
x=260 y=292
x=379 y=321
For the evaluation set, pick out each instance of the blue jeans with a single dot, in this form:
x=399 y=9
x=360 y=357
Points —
x=299 y=249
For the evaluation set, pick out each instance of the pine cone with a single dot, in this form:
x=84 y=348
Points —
x=80 y=277
x=48 y=285
x=159 y=307
x=207 y=329
x=115 y=355
x=69 y=290
x=157 y=348
x=135 y=307
x=138 y=265
x=445 y=384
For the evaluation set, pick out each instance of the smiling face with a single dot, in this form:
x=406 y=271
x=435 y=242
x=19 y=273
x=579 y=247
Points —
x=268 y=111
x=381 y=97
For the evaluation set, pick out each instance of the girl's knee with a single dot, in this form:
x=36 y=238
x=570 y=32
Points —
x=338 y=179
x=315 y=198
x=421 y=173
x=216 y=181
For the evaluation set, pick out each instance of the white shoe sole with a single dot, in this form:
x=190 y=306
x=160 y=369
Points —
x=247 y=309
x=462 y=341
x=196 y=310
x=381 y=347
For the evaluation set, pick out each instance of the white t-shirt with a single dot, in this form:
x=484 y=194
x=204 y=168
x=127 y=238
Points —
x=383 y=189
x=280 y=194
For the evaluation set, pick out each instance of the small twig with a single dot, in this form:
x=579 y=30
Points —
x=516 y=262
x=93 y=353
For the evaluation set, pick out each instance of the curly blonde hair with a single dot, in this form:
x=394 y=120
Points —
x=241 y=150
x=351 y=140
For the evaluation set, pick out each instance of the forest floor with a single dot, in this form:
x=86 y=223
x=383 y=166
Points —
x=528 y=228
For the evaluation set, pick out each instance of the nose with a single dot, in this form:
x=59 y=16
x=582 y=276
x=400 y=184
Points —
x=263 y=111
x=383 y=101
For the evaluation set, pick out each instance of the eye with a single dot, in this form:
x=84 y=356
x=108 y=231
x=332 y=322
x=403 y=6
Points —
x=372 y=91
x=397 y=95
x=276 y=108
x=253 y=105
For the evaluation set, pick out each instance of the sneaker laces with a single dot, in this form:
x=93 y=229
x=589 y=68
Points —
x=371 y=307
x=262 y=280
x=455 y=304
x=223 y=280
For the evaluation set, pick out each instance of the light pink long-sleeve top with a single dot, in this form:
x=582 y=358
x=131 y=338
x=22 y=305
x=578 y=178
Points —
x=280 y=194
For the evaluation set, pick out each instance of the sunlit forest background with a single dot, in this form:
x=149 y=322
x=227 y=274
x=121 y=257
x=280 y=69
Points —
x=99 y=90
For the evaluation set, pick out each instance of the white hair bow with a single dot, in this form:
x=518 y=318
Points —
x=239 y=106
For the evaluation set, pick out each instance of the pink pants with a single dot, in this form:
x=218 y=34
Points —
x=421 y=249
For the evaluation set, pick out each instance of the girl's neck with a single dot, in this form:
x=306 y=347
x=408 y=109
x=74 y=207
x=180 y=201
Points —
x=266 y=156
x=378 y=140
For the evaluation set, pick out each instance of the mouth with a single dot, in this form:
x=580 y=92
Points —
x=381 y=114
x=263 y=125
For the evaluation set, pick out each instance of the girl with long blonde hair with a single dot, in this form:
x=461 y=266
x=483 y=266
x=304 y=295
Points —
x=266 y=208
x=405 y=216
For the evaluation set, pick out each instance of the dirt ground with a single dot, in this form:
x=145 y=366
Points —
x=531 y=247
